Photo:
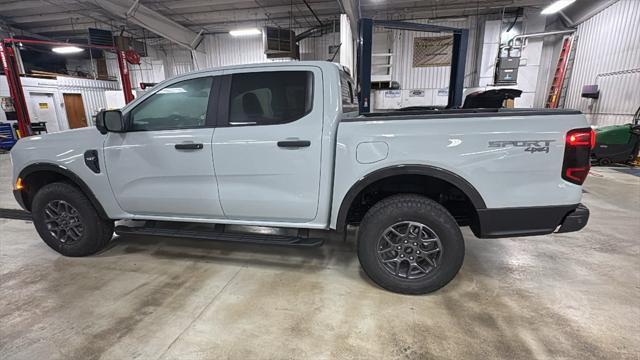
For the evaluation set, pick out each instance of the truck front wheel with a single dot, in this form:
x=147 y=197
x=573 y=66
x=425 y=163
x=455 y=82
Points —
x=410 y=244
x=67 y=221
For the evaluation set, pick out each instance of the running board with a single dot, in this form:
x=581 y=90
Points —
x=220 y=236
x=15 y=214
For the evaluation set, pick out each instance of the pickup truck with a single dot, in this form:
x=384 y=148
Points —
x=282 y=146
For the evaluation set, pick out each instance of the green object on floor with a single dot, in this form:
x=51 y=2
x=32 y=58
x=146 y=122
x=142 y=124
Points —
x=617 y=143
x=614 y=134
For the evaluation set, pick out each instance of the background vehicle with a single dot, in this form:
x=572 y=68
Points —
x=280 y=145
x=617 y=143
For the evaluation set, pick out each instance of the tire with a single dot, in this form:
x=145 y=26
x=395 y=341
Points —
x=86 y=232
x=410 y=212
x=604 y=162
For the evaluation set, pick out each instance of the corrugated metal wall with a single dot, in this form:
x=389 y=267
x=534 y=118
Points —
x=223 y=49
x=317 y=48
x=431 y=77
x=151 y=69
x=607 y=47
x=92 y=92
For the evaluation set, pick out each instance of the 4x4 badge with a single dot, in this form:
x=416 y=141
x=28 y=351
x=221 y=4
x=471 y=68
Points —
x=532 y=146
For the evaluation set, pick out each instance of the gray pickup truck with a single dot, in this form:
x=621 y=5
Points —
x=281 y=145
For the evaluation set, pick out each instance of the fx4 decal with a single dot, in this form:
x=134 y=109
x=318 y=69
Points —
x=532 y=146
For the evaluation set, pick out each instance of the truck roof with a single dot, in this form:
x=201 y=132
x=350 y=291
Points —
x=321 y=64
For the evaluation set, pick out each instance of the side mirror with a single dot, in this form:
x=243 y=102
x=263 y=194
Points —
x=110 y=120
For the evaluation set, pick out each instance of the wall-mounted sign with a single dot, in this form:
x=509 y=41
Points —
x=43 y=106
x=392 y=93
x=7 y=104
x=432 y=51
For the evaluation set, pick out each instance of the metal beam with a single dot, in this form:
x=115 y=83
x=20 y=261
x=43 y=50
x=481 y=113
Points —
x=186 y=7
x=210 y=27
x=255 y=13
x=152 y=21
x=13 y=31
x=419 y=10
x=458 y=59
x=365 y=39
x=352 y=9
x=43 y=18
x=401 y=25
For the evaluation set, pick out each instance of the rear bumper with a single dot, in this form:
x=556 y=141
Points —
x=511 y=222
x=575 y=220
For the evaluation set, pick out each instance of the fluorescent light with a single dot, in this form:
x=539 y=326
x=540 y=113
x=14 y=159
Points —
x=245 y=32
x=67 y=49
x=557 y=6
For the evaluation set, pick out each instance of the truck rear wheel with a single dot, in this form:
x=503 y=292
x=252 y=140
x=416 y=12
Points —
x=67 y=221
x=410 y=244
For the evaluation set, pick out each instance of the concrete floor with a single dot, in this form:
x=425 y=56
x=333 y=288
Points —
x=569 y=296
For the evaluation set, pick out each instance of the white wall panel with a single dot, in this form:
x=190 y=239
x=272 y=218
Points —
x=347 y=40
x=608 y=43
x=317 y=47
x=224 y=49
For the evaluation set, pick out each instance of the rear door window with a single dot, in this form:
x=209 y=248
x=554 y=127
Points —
x=349 y=95
x=270 y=98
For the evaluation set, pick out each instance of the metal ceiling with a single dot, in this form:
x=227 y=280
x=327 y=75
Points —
x=69 y=19
x=431 y=9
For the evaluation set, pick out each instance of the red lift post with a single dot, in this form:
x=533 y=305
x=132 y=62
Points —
x=11 y=71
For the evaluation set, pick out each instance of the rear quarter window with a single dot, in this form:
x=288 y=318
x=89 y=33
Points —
x=349 y=96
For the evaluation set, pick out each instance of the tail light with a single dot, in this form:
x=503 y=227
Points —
x=577 y=153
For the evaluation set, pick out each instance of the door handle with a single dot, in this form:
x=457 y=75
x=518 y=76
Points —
x=189 y=146
x=294 y=143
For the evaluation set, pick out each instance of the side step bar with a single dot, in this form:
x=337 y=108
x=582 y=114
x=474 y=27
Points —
x=220 y=236
x=15 y=214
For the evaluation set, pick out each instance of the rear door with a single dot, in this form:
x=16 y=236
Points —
x=267 y=146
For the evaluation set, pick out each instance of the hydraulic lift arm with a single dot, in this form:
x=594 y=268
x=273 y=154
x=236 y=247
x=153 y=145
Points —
x=12 y=72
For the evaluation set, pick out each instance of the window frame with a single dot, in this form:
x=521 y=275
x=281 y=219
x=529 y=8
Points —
x=224 y=101
x=212 y=111
x=352 y=105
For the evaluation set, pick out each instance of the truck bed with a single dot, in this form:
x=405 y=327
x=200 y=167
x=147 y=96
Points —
x=458 y=113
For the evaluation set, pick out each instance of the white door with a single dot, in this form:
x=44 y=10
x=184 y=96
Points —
x=267 y=149
x=43 y=109
x=163 y=166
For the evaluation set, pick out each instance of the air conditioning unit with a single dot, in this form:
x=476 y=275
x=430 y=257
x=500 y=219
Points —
x=279 y=42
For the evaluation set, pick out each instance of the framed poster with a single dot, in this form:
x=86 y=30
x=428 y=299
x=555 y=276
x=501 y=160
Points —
x=432 y=51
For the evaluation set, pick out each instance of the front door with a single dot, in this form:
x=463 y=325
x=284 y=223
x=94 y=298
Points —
x=267 y=146
x=163 y=166
x=75 y=111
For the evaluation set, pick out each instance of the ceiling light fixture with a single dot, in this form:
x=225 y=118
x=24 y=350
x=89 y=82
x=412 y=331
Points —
x=245 y=32
x=67 y=49
x=556 y=6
